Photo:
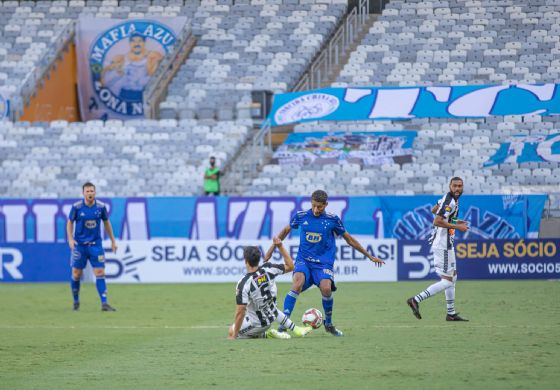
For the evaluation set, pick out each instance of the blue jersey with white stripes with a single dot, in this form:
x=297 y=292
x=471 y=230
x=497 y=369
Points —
x=317 y=236
x=88 y=220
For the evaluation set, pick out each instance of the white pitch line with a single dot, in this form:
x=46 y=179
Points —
x=200 y=327
x=206 y=327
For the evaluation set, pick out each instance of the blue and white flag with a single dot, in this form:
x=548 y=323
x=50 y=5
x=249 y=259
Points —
x=116 y=59
x=522 y=149
x=4 y=107
x=372 y=103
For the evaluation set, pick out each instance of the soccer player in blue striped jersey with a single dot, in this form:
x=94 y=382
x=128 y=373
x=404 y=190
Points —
x=86 y=243
x=316 y=254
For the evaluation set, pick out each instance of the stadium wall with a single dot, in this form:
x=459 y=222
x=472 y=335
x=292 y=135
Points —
x=57 y=97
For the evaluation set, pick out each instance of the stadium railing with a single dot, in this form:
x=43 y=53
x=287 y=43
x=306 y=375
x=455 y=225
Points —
x=330 y=56
x=156 y=90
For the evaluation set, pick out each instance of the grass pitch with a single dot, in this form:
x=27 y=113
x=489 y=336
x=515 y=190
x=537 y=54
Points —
x=174 y=336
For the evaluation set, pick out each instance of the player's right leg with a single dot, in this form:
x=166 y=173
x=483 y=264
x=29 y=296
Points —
x=97 y=260
x=78 y=262
x=442 y=265
x=287 y=324
x=299 y=283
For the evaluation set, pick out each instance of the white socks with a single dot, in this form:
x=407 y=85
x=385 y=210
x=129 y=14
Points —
x=450 y=299
x=435 y=288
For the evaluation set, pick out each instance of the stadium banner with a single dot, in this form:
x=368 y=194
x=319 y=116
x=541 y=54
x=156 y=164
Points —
x=4 y=107
x=527 y=148
x=184 y=261
x=34 y=263
x=485 y=259
x=371 y=103
x=254 y=218
x=116 y=59
x=367 y=148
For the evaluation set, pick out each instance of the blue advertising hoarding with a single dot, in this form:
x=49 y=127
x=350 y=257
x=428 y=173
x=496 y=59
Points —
x=250 y=218
x=485 y=259
x=189 y=261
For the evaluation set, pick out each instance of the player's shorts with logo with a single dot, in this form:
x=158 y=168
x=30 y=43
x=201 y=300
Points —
x=314 y=273
x=250 y=330
x=444 y=261
x=82 y=253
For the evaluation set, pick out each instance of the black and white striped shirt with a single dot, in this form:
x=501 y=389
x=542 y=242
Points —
x=258 y=291
x=443 y=238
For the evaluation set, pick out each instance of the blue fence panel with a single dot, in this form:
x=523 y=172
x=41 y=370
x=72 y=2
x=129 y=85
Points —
x=485 y=259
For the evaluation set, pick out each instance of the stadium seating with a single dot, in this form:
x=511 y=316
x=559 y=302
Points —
x=245 y=46
x=445 y=43
x=143 y=157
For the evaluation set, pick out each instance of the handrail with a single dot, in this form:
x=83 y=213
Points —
x=323 y=65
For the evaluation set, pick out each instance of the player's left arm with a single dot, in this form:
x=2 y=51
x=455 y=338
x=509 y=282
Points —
x=356 y=245
x=109 y=230
x=239 y=315
x=269 y=252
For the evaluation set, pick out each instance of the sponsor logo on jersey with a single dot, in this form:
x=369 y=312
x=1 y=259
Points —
x=313 y=237
x=91 y=224
x=306 y=223
x=313 y=105
x=447 y=208
x=261 y=280
x=122 y=60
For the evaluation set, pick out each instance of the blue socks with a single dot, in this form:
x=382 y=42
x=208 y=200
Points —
x=75 y=284
x=290 y=302
x=101 y=288
x=328 y=303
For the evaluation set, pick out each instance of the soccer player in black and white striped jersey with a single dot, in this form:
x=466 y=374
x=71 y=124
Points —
x=442 y=241
x=256 y=297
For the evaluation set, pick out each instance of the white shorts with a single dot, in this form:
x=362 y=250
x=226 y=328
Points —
x=251 y=331
x=444 y=261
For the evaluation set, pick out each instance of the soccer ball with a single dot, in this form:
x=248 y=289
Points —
x=313 y=318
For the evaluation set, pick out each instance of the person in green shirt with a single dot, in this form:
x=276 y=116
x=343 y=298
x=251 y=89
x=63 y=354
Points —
x=212 y=179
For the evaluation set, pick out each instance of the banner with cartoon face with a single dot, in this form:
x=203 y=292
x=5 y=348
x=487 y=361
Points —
x=116 y=59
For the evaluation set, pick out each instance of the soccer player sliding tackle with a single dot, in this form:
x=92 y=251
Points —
x=86 y=243
x=316 y=255
x=256 y=297
x=442 y=240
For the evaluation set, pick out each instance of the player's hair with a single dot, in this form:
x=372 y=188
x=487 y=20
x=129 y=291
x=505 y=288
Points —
x=456 y=178
x=319 y=196
x=88 y=184
x=137 y=34
x=252 y=255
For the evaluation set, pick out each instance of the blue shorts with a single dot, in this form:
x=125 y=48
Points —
x=314 y=273
x=82 y=253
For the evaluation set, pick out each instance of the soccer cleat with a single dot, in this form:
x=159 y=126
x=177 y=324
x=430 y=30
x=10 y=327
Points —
x=76 y=306
x=454 y=317
x=274 y=334
x=415 y=308
x=332 y=330
x=107 y=307
x=301 y=331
